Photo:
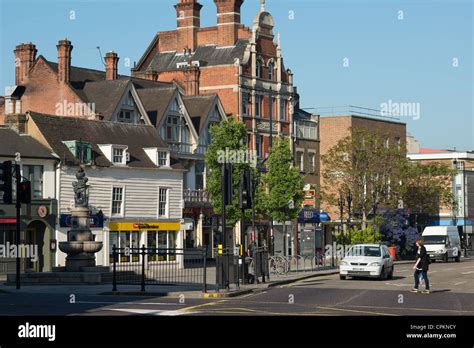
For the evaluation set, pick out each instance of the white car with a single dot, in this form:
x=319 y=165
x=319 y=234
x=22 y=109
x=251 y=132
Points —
x=367 y=260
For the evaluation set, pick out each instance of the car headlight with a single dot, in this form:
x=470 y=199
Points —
x=375 y=264
x=440 y=251
x=343 y=263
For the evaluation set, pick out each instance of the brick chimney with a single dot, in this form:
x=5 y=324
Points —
x=64 y=60
x=188 y=13
x=25 y=55
x=228 y=21
x=111 y=65
x=191 y=80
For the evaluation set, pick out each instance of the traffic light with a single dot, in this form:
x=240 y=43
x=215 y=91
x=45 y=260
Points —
x=245 y=191
x=6 y=178
x=24 y=192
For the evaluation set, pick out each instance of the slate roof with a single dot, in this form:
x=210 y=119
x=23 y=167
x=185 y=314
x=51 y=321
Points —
x=12 y=142
x=92 y=87
x=198 y=108
x=58 y=129
x=208 y=55
x=156 y=101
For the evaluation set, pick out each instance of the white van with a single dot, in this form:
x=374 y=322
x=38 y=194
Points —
x=442 y=243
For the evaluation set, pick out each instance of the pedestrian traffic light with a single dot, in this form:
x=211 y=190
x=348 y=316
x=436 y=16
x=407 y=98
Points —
x=6 y=179
x=245 y=191
x=24 y=192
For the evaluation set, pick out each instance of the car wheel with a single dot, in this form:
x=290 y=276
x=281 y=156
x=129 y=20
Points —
x=446 y=257
x=390 y=275
x=382 y=274
x=342 y=277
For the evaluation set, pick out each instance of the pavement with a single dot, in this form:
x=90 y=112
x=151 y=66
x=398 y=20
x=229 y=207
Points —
x=315 y=294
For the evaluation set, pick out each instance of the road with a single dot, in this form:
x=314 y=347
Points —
x=452 y=285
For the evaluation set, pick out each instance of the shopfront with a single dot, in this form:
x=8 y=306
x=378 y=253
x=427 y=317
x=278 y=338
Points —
x=167 y=236
x=37 y=237
x=311 y=234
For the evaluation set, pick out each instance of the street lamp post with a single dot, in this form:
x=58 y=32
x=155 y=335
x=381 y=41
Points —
x=349 y=201
x=341 y=211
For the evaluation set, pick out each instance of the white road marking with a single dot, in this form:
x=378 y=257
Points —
x=151 y=311
x=467 y=272
x=132 y=303
x=460 y=283
x=399 y=285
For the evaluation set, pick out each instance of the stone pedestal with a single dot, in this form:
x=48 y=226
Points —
x=80 y=247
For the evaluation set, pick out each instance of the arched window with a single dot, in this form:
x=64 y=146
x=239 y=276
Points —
x=259 y=71
x=270 y=71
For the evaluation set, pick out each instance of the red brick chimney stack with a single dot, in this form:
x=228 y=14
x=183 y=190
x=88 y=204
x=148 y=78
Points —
x=111 y=65
x=188 y=13
x=64 y=60
x=25 y=55
x=228 y=21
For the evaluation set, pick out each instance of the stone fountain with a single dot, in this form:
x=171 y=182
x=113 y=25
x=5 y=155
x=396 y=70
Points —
x=80 y=246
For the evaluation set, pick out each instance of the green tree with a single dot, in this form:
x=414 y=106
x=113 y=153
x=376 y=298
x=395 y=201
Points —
x=426 y=187
x=360 y=235
x=228 y=138
x=282 y=184
x=362 y=164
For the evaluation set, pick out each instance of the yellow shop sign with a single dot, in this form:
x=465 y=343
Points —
x=144 y=226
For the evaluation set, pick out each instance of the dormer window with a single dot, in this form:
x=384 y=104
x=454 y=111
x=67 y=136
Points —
x=163 y=159
x=117 y=156
x=159 y=157
x=82 y=151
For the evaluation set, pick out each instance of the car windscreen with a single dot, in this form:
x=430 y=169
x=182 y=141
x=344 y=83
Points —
x=361 y=250
x=434 y=239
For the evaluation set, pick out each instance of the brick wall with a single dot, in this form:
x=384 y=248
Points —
x=43 y=91
x=333 y=129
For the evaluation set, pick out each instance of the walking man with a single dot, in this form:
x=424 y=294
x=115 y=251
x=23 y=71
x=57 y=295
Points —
x=421 y=267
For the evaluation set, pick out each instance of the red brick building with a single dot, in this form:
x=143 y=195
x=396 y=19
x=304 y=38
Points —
x=243 y=65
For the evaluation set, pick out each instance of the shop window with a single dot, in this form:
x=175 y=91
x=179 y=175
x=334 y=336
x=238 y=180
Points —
x=123 y=240
x=164 y=243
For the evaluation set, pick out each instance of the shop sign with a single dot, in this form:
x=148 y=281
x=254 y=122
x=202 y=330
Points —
x=145 y=226
x=95 y=220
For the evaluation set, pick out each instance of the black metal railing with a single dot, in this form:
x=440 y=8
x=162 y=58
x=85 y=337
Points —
x=154 y=266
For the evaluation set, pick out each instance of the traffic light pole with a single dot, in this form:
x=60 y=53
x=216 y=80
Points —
x=17 y=234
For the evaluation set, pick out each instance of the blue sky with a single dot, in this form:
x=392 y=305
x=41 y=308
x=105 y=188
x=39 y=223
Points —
x=405 y=61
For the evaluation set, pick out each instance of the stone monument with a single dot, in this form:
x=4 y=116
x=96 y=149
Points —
x=80 y=246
